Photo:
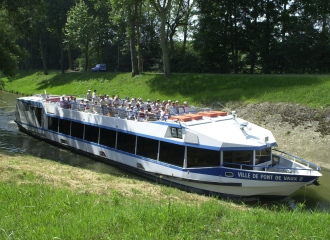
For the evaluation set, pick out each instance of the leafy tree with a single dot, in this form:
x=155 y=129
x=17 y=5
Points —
x=80 y=28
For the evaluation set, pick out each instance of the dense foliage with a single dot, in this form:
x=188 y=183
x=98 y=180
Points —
x=226 y=36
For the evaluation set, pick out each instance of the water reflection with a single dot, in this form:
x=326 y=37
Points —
x=12 y=140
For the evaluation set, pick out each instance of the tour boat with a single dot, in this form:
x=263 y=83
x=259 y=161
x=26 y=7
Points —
x=198 y=150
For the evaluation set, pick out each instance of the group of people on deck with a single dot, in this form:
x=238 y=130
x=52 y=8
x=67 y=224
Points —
x=132 y=109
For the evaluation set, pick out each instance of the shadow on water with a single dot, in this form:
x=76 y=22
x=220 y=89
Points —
x=14 y=141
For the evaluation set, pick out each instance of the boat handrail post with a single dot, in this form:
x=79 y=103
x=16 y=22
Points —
x=241 y=166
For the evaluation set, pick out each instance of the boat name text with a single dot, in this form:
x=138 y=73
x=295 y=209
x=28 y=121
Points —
x=268 y=177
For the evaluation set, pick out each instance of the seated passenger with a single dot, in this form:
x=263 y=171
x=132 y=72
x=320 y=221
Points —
x=142 y=114
x=168 y=105
x=96 y=108
x=107 y=99
x=151 y=116
x=163 y=114
x=173 y=109
x=129 y=105
x=81 y=106
x=87 y=106
x=131 y=114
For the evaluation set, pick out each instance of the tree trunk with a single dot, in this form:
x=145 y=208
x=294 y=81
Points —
x=135 y=70
x=166 y=64
x=70 y=57
x=138 y=42
x=86 y=55
x=118 y=56
x=26 y=58
x=43 y=55
x=62 y=51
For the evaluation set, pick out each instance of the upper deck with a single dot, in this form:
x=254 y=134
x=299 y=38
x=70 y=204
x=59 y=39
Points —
x=209 y=130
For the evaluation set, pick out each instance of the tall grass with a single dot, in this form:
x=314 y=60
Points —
x=33 y=211
x=34 y=205
x=310 y=90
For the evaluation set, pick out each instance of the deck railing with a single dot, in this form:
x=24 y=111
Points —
x=119 y=112
x=269 y=167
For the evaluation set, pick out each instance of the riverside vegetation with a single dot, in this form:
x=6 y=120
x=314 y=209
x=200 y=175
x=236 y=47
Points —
x=41 y=199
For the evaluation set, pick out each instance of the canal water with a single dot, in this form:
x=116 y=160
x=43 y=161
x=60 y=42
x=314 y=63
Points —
x=12 y=140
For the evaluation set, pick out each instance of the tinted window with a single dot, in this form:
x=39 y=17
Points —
x=198 y=157
x=263 y=155
x=77 y=130
x=171 y=153
x=64 y=127
x=147 y=147
x=126 y=142
x=38 y=113
x=91 y=133
x=53 y=124
x=238 y=157
x=108 y=138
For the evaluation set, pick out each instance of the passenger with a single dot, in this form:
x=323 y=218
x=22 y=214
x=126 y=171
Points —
x=148 y=102
x=168 y=105
x=177 y=104
x=151 y=115
x=87 y=106
x=163 y=114
x=133 y=102
x=113 y=98
x=129 y=107
x=96 y=108
x=89 y=96
x=157 y=111
x=140 y=101
x=103 y=104
x=127 y=101
x=117 y=101
x=137 y=107
x=158 y=101
x=94 y=97
x=115 y=110
x=164 y=103
x=107 y=99
x=149 y=108
x=185 y=106
x=81 y=106
x=131 y=114
x=153 y=106
x=142 y=115
x=122 y=111
x=174 y=110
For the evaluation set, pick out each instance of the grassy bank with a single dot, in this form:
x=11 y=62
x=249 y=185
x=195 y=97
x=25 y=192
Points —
x=41 y=199
x=195 y=88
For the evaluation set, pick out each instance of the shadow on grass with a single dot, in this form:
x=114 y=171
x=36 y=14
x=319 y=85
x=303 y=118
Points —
x=64 y=79
x=204 y=88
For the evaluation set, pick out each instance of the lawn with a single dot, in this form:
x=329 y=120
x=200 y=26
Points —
x=310 y=90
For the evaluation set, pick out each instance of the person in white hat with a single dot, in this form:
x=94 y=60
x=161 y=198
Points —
x=89 y=96
x=168 y=105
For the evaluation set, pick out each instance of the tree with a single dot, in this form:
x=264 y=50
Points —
x=80 y=28
x=163 y=7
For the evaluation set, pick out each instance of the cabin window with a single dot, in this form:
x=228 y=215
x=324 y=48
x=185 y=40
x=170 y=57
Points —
x=64 y=127
x=77 y=130
x=108 y=137
x=126 y=142
x=25 y=106
x=171 y=153
x=39 y=115
x=199 y=157
x=263 y=155
x=233 y=159
x=176 y=132
x=147 y=147
x=53 y=124
x=91 y=133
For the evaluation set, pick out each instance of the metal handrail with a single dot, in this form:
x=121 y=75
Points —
x=308 y=163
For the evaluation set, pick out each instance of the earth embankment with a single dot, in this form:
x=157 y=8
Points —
x=298 y=130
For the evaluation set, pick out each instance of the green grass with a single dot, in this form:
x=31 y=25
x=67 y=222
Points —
x=310 y=90
x=35 y=204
